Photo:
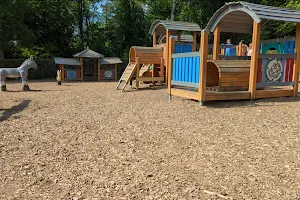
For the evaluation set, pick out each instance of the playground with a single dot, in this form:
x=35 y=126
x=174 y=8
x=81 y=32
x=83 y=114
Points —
x=84 y=140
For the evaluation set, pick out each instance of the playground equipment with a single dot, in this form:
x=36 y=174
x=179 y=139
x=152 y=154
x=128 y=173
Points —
x=72 y=68
x=192 y=76
x=145 y=56
x=284 y=45
x=109 y=70
x=158 y=56
x=21 y=71
x=89 y=55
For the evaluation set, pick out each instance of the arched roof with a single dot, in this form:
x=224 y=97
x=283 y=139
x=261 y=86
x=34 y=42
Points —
x=184 y=38
x=160 y=26
x=237 y=17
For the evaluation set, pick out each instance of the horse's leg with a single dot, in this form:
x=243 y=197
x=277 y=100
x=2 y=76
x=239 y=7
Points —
x=2 y=82
x=24 y=77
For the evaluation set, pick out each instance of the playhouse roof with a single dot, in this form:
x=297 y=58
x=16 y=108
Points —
x=183 y=38
x=238 y=17
x=66 y=61
x=160 y=26
x=88 y=53
x=110 y=60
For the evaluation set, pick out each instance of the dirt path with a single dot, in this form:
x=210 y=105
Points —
x=87 y=141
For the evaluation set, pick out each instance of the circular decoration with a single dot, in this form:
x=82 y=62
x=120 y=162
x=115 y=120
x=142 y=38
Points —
x=274 y=70
x=108 y=74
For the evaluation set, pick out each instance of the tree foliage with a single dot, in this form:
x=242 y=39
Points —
x=47 y=28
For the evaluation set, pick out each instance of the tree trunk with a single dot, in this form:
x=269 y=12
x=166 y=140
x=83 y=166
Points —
x=81 y=2
x=1 y=51
x=173 y=10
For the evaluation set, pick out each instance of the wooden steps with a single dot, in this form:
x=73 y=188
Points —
x=127 y=75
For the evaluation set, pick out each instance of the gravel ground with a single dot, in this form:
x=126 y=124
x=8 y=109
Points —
x=88 y=141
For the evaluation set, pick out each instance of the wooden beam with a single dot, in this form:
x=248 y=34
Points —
x=240 y=49
x=297 y=61
x=203 y=65
x=185 y=93
x=194 y=41
x=143 y=78
x=216 y=49
x=254 y=59
x=99 y=69
x=274 y=93
x=62 y=68
x=116 y=72
x=137 y=80
x=167 y=54
x=154 y=39
x=179 y=36
x=236 y=95
x=95 y=69
x=81 y=68
x=171 y=50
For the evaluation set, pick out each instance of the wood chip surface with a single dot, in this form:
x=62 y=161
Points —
x=88 y=141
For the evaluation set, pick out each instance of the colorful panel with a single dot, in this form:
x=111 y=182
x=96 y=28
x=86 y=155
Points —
x=186 y=69
x=183 y=48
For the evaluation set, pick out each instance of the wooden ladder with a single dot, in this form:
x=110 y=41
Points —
x=127 y=75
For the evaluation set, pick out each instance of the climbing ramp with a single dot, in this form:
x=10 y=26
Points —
x=127 y=75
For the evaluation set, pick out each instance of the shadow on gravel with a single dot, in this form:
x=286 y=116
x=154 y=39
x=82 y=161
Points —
x=14 y=110
x=251 y=103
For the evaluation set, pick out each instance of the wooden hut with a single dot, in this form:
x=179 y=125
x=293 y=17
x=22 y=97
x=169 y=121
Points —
x=192 y=76
x=111 y=72
x=96 y=60
x=70 y=68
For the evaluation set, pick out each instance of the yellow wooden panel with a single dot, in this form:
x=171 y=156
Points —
x=185 y=93
x=142 y=78
x=274 y=93
x=211 y=95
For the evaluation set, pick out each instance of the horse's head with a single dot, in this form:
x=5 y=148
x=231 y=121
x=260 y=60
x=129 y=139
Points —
x=31 y=63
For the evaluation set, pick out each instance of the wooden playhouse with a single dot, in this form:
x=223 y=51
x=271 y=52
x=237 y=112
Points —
x=150 y=64
x=261 y=75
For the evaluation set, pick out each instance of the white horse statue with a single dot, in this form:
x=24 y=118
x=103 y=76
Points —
x=21 y=71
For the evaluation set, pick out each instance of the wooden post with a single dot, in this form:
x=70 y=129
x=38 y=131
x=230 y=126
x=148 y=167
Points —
x=179 y=35
x=154 y=38
x=297 y=61
x=95 y=69
x=216 y=48
x=254 y=59
x=240 y=49
x=62 y=68
x=116 y=72
x=167 y=54
x=81 y=68
x=203 y=65
x=99 y=65
x=162 y=65
x=137 y=73
x=169 y=75
x=194 y=41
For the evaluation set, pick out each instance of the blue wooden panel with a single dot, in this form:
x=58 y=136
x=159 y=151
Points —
x=182 y=48
x=286 y=47
x=186 y=69
x=292 y=47
x=197 y=69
